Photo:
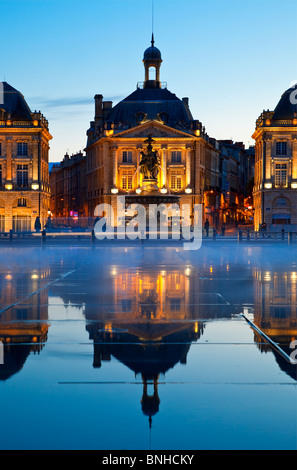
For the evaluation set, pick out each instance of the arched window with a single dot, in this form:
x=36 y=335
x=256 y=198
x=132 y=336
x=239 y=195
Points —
x=281 y=201
x=22 y=202
x=152 y=73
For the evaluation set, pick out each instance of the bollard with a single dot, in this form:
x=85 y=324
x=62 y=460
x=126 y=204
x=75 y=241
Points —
x=239 y=236
x=93 y=236
x=214 y=235
x=11 y=235
x=43 y=237
x=248 y=234
x=283 y=234
x=290 y=238
x=142 y=237
x=223 y=231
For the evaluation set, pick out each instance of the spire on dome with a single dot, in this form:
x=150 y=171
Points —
x=153 y=41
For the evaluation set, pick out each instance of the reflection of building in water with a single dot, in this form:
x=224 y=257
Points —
x=276 y=312
x=23 y=327
x=148 y=325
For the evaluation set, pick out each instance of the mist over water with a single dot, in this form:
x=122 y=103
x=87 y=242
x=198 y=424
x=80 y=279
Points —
x=149 y=342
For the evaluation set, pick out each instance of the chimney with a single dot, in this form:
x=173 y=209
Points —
x=186 y=101
x=98 y=107
x=107 y=107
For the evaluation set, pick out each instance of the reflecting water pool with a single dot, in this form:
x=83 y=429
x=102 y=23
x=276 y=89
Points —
x=148 y=348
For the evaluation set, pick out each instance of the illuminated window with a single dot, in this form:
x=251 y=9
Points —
x=280 y=174
x=127 y=180
x=176 y=156
x=21 y=223
x=22 y=176
x=176 y=180
x=127 y=156
x=281 y=148
x=22 y=149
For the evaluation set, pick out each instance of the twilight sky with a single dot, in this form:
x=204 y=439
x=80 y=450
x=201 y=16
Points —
x=232 y=58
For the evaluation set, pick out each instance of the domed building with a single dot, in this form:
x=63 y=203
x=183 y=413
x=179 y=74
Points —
x=275 y=187
x=117 y=138
x=24 y=147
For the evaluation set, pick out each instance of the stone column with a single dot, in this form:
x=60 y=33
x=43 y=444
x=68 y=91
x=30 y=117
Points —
x=164 y=151
x=106 y=163
x=188 y=166
x=9 y=144
x=138 y=157
x=294 y=158
x=268 y=159
x=198 y=189
x=115 y=165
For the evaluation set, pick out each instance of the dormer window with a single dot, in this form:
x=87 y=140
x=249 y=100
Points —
x=281 y=148
x=140 y=117
x=22 y=150
x=164 y=117
x=127 y=156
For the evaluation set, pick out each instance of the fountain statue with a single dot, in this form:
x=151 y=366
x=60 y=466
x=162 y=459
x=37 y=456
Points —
x=149 y=164
x=149 y=167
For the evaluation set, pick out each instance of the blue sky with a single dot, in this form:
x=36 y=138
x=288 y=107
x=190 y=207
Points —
x=232 y=58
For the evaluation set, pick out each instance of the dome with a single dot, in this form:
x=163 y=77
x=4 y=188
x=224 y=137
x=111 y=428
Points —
x=152 y=53
x=287 y=105
x=14 y=104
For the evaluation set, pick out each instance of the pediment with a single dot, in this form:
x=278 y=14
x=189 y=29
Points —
x=155 y=129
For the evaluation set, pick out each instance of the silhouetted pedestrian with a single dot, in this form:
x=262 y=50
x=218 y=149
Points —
x=37 y=224
x=206 y=227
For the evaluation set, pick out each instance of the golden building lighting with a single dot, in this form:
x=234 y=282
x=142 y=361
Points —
x=24 y=177
x=116 y=141
x=275 y=195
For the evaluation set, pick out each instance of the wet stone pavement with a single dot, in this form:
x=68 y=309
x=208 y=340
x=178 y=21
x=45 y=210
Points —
x=148 y=348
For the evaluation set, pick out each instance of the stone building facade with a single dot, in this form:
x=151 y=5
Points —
x=275 y=186
x=236 y=179
x=68 y=187
x=117 y=137
x=24 y=177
